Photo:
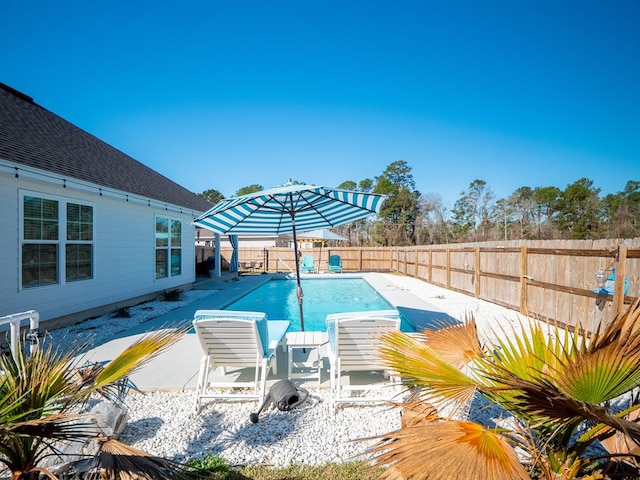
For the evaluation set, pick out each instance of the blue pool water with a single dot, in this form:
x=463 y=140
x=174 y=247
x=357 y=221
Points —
x=321 y=297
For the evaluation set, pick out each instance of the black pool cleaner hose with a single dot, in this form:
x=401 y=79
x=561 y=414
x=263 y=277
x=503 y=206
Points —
x=285 y=395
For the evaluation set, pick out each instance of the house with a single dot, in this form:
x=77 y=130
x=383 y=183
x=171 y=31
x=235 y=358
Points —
x=207 y=249
x=206 y=238
x=84 y=228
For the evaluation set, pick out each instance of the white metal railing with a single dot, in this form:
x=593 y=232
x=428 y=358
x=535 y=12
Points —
x=15 y=321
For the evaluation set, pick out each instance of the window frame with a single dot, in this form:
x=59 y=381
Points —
x=166 y=252
x=61 y=243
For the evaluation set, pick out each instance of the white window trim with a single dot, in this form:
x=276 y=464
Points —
x=61 y=242
x=168 y=247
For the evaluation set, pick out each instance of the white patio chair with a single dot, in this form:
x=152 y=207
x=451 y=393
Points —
x=353 y=347
x=236 y=340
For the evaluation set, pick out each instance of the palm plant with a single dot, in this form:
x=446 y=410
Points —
x=42 y=393
x=556 y=381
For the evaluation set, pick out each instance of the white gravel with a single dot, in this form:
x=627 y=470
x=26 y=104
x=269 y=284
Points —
x=97 y=330
x=163 y=423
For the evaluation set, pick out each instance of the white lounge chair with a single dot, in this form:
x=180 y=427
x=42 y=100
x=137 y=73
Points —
x=353 y=346
x=235 y=339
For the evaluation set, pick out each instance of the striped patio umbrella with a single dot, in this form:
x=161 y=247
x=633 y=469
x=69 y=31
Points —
x=288 y=209
x=320 y=235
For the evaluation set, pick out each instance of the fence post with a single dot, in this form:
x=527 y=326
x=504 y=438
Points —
x=476 y=273
x=618 y=289
x=524 y=280
x=430 y=271
x=404 y=262
x=391 y=253
x=448 y=268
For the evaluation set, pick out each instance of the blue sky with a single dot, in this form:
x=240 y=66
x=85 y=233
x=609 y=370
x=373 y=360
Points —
x=224 y=94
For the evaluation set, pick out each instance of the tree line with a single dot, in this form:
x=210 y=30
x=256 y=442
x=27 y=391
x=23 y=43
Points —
x=409 y=217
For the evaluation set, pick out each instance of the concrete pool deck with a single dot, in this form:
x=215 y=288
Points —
x=177 y=368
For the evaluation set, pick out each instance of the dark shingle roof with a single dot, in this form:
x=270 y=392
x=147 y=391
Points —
x=33 y=136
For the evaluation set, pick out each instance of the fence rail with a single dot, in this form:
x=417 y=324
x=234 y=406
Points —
x=554 y=280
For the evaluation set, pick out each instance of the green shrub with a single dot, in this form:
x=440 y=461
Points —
x=174 y=295
x=209 y=464
x=122 y=312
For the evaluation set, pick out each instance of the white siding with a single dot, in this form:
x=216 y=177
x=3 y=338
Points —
x=124 y=253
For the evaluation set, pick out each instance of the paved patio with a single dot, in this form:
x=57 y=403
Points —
x=177 y=368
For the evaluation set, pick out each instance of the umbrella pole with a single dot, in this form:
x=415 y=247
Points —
x=299 y=288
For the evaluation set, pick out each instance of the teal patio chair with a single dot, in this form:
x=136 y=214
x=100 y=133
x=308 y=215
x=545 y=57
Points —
x=308 y=263
x=335 y=263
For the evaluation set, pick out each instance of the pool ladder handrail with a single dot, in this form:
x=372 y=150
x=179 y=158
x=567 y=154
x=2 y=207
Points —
x=285 y=264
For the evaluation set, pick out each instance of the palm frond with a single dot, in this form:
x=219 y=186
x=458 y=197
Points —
x=569 y=365
x=117 y=461
x=554 y=378
x=60 y=426
x=419 y=364
x=36 y=470
x=618 y=443
x=543 y=400
x=625 y=328
x=560 y=362
x=137 y=355
x=11 y=403
x=530 y=351
x=444 y=450
x=24 y=445
x=114 y=392
x=41 y=381
x=456 y=344
x=415 y=411
x=38 y=392
x=606 y=364
x=597 y=376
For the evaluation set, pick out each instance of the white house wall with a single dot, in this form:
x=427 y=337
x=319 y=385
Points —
x=124 y=253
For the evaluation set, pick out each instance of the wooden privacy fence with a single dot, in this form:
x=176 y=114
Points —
x=553 y=280
x=281 y=259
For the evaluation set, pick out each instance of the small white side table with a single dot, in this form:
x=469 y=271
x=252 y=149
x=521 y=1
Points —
x=306 y=340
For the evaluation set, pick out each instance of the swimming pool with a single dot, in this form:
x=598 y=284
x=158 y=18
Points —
x=322 y=296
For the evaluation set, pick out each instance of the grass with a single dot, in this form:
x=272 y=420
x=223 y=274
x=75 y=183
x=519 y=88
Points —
x=345 y=471
x=215 y=468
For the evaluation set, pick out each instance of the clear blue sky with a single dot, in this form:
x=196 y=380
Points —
x=224 y=94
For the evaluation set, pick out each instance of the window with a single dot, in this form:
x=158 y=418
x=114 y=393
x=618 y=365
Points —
x=79 y=247
x=55 y=233
x=168 y=242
